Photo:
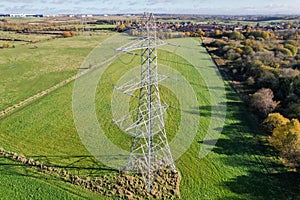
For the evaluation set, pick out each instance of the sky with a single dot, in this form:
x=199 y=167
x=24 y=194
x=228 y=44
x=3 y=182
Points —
x=212 y=7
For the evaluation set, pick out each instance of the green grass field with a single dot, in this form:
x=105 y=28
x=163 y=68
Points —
x=18 y=182
x=239 y=166
x=26 y=37
x=32 y=68
x=104 y=26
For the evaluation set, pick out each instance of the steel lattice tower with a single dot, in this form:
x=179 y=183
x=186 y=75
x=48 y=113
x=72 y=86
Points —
x=150 y=150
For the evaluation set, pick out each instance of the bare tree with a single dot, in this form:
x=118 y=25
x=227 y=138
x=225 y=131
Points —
x=262 y=102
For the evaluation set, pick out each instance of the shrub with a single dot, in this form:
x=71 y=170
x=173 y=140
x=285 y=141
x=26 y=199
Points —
x=239 y=50
x=218 y=32
x=5 y=45
x=188 y=34
x=217 y=43
x=235 y=35
x=293 y=109
x=258 y=34
x=292 y=48
x=68 y=34
x=122 y=27
x=292 y=42
x=232 y=55
x=250 y=81
x=296 y=84
x=225 y=39
x=273 y=121
x=289 y=72
x=73 y=33
x=267 y=58
x=262 y=102
x=286 y=139
x=286 y=52
x=247 y=50
x=267 y=79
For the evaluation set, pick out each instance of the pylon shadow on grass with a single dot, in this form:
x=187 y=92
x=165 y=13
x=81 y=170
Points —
x=76 y=164
x=76 y=160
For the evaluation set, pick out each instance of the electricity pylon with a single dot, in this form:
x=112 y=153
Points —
x=150 y=150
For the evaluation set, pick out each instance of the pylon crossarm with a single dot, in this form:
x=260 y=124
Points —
x=134 y=45
x=141 y=44
x=126 y=123
x=133 y=85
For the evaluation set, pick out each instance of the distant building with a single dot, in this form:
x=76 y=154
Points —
x=22 y=15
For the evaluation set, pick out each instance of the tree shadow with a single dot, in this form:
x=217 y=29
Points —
x=244 y=146
x=259 y=185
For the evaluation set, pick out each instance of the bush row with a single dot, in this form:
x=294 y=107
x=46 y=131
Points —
x=122 y=185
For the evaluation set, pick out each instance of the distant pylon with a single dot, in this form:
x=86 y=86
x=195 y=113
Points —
x=150 y=150
x=85 y=29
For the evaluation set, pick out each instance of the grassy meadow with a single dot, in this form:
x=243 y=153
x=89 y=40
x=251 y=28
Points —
x=18 y=182
x=31 y=68
x=239 y=166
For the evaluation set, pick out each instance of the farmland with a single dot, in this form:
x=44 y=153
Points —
x=31 y=68
x=238 y=167
x=18 y=182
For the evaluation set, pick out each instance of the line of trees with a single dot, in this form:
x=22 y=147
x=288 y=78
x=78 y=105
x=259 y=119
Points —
x=266 y=65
